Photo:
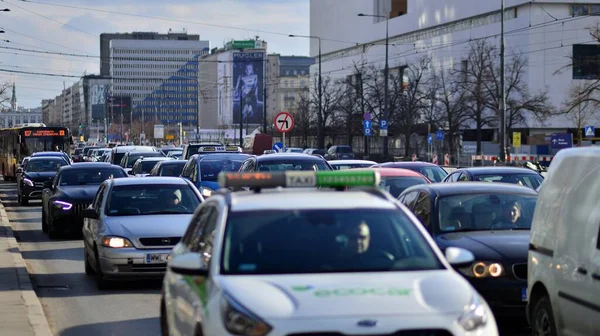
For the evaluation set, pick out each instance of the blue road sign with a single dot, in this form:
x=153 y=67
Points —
x=368 y=116
x=383 y=125
x=439 y=135
x=278 y=147
x=590 y=131
x=368 y=127
x=561 y=140
x=430 y=138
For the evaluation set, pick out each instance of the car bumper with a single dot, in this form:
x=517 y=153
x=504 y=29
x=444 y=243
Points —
x=506 y=297
x=30 y=192
x=385 y=325
x=131 y=263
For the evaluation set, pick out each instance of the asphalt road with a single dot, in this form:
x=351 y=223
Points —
x=70 y=299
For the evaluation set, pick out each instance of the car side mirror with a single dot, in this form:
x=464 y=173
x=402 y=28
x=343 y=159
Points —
x=188 y=264
x=19 y=170
x=131 y=172
x=459 y=257
x=90 y=213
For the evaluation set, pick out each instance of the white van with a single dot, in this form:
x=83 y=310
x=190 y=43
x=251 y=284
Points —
x=564 y=251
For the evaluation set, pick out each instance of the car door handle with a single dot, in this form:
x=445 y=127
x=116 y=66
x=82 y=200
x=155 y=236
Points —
x=581 y=270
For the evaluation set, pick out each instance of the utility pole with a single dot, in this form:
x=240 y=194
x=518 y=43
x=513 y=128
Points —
x=503 y=135
x=267 y=75
x=143 y=128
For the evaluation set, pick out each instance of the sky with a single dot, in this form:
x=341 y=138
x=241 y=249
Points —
x=74 y=26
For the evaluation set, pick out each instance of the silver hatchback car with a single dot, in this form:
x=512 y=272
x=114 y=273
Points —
x=132 y=225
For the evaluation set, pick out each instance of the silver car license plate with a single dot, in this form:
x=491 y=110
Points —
x=157 y=258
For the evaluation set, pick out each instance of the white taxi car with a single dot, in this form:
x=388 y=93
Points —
x=301 y=261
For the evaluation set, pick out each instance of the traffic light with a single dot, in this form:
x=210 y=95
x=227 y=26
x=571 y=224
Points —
x=80 y=125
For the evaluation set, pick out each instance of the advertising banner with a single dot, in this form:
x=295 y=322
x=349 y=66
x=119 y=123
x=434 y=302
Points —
x=248 y=86
x=98 y=95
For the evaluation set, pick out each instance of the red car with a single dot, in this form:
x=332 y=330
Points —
x=396 y=180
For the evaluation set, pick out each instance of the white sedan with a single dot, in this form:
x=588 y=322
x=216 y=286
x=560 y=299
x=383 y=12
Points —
x=315 y=262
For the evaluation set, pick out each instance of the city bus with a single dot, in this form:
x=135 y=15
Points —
x=21 y=141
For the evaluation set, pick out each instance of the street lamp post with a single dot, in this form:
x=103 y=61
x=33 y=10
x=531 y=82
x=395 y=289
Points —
x=386 y=72
x=320 y=76
x=503 y=136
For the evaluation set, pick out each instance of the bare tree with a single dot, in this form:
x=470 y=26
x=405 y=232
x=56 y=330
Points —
x=331 y=95
x=579 y=112
x=5 y=94
x=304 y=118
x=520 y=102
x=474 y=72
x=450 y=103
x=410 y=98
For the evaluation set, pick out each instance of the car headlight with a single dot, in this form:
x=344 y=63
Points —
x=483 y=269
x=206 y=192
x=239 y=321
x=63 y=205
x=474 y=315
x=28 y=182
x=116 y=242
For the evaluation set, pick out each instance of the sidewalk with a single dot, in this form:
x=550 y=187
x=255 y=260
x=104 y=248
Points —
x=21 y=312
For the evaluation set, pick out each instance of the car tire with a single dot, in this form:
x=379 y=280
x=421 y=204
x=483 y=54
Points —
x=89 y=270
x=101 y=282
x=542 y=318
x=164 y=322
x=24 y=201
x=198 y=331
x=44 y=221
x=52 y=233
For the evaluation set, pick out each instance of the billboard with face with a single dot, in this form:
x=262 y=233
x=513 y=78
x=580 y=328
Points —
x=248 y=86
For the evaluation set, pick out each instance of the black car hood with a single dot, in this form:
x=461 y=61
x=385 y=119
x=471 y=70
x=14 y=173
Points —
x=489 y=245
x=40 y=177
x=78 y=193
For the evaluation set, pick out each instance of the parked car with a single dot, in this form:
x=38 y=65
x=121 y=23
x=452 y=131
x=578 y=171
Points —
x=339 y=152
x=432 y=171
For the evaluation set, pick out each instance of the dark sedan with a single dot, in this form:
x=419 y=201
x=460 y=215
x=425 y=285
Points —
x=168 y=168
x=37 y=175
x=515 y=175
x=493 y=222
x=284 y=162
x=432 y=171
x=55 y=154
x=72 y=191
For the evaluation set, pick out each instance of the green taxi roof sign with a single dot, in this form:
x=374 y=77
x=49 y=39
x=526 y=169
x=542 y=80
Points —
x=300 y=179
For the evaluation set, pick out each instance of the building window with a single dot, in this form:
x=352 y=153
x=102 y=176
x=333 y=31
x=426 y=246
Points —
x=399 y=8
x=585 y=9
x=585 y=61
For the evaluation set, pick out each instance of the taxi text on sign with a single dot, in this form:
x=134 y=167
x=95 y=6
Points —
x=516 y=139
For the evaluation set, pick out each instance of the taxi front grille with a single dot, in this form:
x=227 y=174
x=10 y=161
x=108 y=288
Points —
x=160 y=241
x=416 y=332
x=520 y=271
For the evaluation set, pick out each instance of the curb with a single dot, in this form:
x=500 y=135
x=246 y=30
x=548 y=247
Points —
x=35 y=312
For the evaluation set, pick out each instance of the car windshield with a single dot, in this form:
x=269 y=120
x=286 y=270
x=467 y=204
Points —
x=434 y=174
x=395 y=185
x=484 y=212
x=172 y=170
x=147 y=166
x=344 y=149
x=135 y=156
x=350 y=165
x=284 y=165
x=151 y=199
x=210 y=169
x=87 y=176
x=87 y=151
x=324 y=241
x=37 y=166
x=529 y=180
x=77 y=151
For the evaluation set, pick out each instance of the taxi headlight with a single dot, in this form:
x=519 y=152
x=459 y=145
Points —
x=483 y=269
x=206 y=192
x=116 y=242
x=240 y=321
x=474 y=315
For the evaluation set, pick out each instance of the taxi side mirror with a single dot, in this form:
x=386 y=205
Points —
x=459 y=257
x=188 y=264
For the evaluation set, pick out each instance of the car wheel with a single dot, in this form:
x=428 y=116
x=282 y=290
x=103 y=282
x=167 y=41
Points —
x=52 y=233
x=44 y=221
x=542 y=322
x=24 y=201
x=89 y=270
x=198 y=331
x=164 y=322
x=101 y=282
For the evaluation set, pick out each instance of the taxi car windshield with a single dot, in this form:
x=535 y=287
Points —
x=395 y=185
x=350 y=166
x=37 y=166
x=285 y=165
x=147 y=199
x=485 y=212
x=210 y=169
x=89 y=176
x=529 y=180
x=324 y=241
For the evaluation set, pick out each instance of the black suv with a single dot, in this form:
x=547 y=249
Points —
x=37 y=175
